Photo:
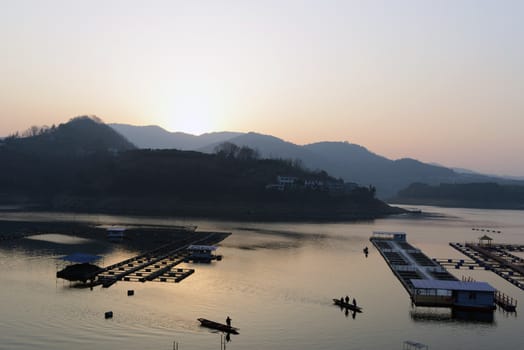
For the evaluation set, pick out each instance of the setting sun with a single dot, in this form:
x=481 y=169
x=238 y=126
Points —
x=191 y=113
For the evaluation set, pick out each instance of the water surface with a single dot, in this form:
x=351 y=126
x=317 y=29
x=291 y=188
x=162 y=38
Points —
x=276 y=282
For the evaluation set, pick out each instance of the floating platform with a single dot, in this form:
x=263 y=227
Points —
x=427 y=282
x=496 y=258
x=158 y=265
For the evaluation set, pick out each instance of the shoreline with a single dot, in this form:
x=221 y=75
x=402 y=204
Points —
x=216 y=210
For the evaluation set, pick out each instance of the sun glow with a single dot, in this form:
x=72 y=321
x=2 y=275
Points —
x=196 y=108
x=189 y=113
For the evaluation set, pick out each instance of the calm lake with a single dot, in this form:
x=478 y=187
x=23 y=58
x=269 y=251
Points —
x=276 y=281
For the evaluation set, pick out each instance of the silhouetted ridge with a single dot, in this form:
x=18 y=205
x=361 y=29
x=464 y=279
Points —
x=83 y=165
x=80 y=136
x=350 y=162
x=155 y=137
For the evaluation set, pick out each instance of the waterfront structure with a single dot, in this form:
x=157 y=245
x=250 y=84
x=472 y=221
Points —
x=459 y=294
x=158 y=264
x=202 y=253
x=428 y=283
x=115 y=234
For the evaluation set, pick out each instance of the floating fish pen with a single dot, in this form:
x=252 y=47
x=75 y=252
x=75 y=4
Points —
x=427 y=282
x=156 y=265
x=496 y=258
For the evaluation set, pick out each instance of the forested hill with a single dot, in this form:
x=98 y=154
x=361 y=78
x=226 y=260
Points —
x=472 y=195
x=109 y=175
x=80 y=136
x=349 y=161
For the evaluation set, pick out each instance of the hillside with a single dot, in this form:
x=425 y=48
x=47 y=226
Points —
x=96 y=178
x=80 y=136
x=472 y=195
x=351 y=162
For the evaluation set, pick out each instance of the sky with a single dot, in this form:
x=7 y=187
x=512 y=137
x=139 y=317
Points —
x=438 y=81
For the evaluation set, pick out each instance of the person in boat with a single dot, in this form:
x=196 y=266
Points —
x=354 y=302
x=347 y=299
x=341 y=300
x=228 y=321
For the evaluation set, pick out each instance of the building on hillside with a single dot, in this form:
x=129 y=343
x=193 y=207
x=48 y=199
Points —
x=314 y=184
x=337 y=187
x=286 y=180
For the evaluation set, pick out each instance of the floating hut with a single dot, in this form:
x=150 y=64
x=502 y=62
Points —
x=83 y=268
x=115 y=233
x=202 y=253
x=458 y=294
x=485 y=240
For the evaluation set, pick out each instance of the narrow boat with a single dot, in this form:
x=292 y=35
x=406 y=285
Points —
x=218 y=326
x=345 y=305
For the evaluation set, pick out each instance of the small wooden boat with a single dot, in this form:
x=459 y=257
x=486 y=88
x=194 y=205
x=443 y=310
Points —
x=345 y=305
x=218 y=326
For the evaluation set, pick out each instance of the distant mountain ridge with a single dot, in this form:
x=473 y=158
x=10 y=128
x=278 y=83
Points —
x=472 y=195
x=351 y=162
x=86 y=166
x=154 y=137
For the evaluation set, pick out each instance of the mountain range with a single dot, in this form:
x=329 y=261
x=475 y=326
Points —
x=350 y=162
x=86 y=166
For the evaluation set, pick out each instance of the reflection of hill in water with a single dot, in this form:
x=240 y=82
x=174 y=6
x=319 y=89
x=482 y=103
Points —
x=66 y=237
x=61 y=246
x=59 y=238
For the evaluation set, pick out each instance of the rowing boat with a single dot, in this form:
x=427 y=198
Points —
x=218 y=326
x=345 y=305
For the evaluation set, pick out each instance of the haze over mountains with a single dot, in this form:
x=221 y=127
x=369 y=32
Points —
x=351 y=162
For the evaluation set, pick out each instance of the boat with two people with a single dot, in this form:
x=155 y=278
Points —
x=347 y=305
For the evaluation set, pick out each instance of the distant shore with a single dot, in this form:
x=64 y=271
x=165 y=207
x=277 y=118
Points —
x=216 y=210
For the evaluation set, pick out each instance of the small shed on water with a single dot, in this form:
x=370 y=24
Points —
x=485 y=240
x=202 y=253
x=395 y=236
x=458 y=294
x=115 y=233
x=83 y=268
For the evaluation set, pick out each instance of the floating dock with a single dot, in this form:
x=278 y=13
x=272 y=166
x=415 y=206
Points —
x=428 y=283
x=496 y=258
x=157 y=265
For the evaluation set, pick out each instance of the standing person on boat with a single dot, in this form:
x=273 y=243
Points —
x=347 y=299
x=354 y=302
x=341 y=301
x=228 y=321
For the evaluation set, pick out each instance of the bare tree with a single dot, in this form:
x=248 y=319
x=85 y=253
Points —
x=246 y=153
x=32 y=131
x=227 y=150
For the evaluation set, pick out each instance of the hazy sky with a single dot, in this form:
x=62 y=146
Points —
x=439 y=81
